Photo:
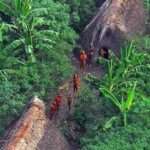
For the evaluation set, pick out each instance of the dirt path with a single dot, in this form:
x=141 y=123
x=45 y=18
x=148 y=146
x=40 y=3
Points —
x=53 y=139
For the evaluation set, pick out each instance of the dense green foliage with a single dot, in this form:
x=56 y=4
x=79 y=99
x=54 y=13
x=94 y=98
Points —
x=147 y=10
x=133 y=137
x=119 y=117
x=94 y=114
x=35 y=46
x=81 y=12
x=36 y=38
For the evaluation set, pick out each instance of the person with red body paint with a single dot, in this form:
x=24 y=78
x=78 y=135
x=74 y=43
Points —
x=103 y=52
x=53 y=109
x=69 y=101
x=55 y=106
x=83 y=59
x=58 y=100
x=76 y=82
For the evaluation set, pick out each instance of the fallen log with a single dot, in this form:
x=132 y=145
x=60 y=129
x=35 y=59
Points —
x=116 y=20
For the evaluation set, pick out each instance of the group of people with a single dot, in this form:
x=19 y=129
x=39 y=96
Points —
x=85 y=58
x=55 y=105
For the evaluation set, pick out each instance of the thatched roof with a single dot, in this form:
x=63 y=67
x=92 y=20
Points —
x=34 y=131
x=115 y=21
x=29 y=129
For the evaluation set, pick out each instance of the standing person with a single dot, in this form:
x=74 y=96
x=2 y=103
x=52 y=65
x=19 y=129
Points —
x=55 y=106
x=53 y=109
x=103 y=52
x=69 y=101
x=90 y=54
x=83 y=59
x=76 y=82
x=58 y=100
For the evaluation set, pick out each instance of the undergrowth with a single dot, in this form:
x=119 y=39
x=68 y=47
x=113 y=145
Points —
x=120 y=118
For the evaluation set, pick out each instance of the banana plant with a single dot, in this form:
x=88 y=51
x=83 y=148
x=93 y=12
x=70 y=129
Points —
x=124 y=105
x=19 y=10
x=26 y=26
x=118 y=69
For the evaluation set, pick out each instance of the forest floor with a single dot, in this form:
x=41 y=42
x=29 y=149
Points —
x=53 y=138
